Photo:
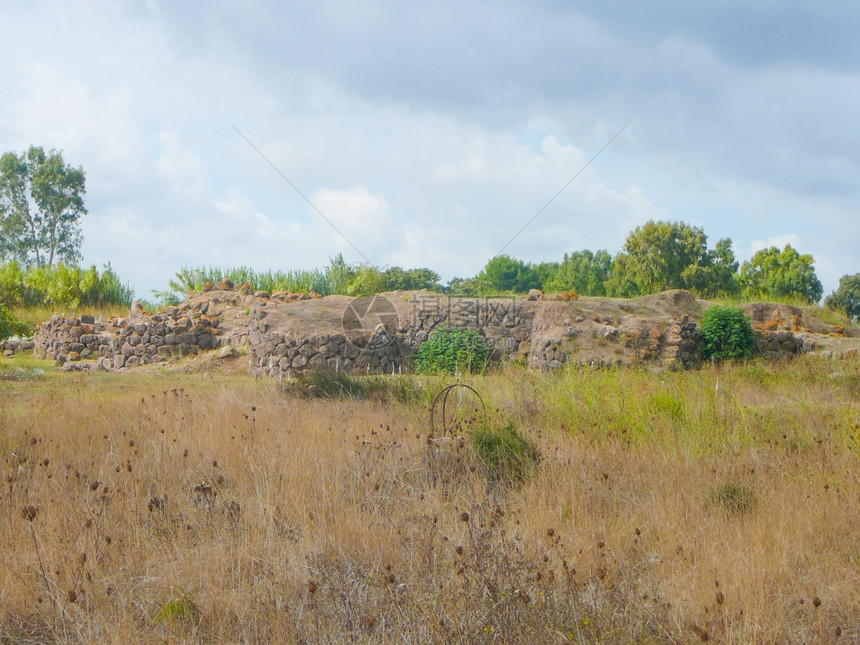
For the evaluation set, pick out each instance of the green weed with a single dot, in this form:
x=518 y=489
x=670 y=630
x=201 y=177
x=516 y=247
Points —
x=737 y=499
x=508 y=454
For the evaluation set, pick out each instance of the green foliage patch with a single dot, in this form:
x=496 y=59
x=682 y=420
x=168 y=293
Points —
x=41 y=205
x=508 y=454
x=62 y=285
x=781 y=276
x=452 y=351
x=178 y=609
x=846 y=299
x=9 y=326
x=727 y=334
x=737 y=499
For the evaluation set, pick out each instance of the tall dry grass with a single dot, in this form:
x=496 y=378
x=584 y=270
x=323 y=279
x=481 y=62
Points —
x=717 y=505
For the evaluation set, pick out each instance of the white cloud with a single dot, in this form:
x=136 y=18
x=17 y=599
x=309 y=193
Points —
x=778 y=241
x=185 y=173
x=425 y=147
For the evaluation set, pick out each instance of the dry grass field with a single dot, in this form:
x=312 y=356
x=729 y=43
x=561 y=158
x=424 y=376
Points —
x=720 y=505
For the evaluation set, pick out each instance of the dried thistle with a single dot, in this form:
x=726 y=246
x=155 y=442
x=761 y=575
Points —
x=701 y=633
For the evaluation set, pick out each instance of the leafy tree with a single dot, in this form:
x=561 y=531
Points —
x=847 y=297
x=464 y=287
x=781 y=275
x=41 y=204
x=543 y=273
x=658 y=253
x=672 y=255
x=504 y=273
x=398 y=279
x=724 y=275
x=727 y=334
x=584 y=272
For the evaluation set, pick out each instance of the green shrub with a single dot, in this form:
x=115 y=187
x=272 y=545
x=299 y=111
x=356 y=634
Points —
x=735 y=498
x=508 y=455
x=9 y=326
x=452 y=351
x=727 y=334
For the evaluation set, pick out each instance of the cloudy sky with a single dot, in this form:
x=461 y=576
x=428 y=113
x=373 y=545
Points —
x=430 y=133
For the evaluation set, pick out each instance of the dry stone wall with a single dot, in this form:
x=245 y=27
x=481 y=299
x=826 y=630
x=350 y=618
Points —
x=140 y=339
x=387 y=347
x=282 y=335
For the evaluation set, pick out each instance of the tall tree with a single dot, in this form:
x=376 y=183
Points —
x=41 y=205
x=847 y=297
x=504 y=273
x=584 y=272
x=781 y=275
x=672 y=255
x=399 y=279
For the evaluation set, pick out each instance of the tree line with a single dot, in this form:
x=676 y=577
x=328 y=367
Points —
x=42 y=203
x=658 y=256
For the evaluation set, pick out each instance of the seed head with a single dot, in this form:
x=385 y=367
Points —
x=29 y=512
x=464 y=516
x=312 y=587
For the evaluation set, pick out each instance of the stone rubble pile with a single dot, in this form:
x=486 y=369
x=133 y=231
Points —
x=140 y=339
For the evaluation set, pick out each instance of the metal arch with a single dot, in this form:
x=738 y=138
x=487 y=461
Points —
x=444 y=396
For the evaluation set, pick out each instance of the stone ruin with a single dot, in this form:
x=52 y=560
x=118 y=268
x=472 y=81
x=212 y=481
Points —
x=282 y=334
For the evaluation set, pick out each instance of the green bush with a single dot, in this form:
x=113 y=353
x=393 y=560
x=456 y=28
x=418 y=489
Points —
x=508 y=455
x=727 y=334
x=9 y=326
x=452 y=351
